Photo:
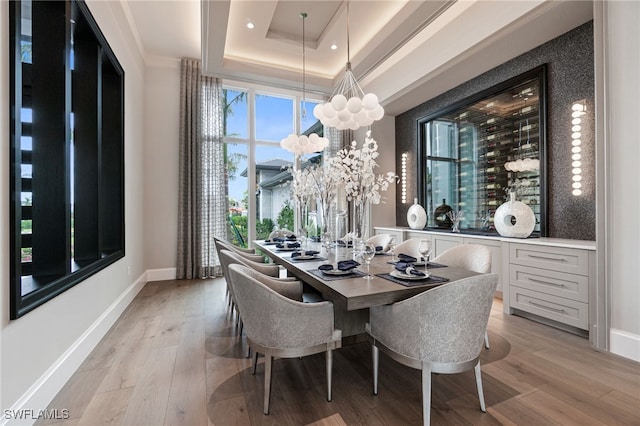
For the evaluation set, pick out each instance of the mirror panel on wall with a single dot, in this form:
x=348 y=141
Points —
x=472 y=153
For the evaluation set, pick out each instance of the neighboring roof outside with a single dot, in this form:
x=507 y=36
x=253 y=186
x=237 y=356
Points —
x=274 y=164
x=286 y=176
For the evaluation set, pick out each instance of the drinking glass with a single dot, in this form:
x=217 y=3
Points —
x=425 y=250
x=368 y=252
x=392 y=248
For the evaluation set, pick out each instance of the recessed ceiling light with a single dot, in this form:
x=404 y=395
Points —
x=334 y=46
x=250 y=24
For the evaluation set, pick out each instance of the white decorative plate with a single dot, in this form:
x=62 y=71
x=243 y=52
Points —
x=336 y=272
x=305 y=257
x=400 y=275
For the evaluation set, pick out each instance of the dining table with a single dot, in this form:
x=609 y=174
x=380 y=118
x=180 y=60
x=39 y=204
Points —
x=352 y=295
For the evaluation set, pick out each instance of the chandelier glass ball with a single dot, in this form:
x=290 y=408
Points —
x=349 y=107
x=304 y=144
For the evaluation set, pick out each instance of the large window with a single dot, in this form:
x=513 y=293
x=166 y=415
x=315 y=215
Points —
x=67 y=161
x=258 y=178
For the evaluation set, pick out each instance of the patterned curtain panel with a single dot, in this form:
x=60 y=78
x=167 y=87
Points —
x=203 y=206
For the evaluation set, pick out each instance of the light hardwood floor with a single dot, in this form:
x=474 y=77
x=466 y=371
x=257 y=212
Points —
x=175 y=358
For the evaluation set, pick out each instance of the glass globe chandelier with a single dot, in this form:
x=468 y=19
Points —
x=348 y=106
x=303 y=144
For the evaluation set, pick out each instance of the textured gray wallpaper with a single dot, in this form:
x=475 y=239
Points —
x=570 y=77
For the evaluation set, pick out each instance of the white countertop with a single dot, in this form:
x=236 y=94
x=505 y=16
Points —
x=542 y=241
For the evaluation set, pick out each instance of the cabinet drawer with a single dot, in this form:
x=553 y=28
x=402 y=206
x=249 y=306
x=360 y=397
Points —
x=558 y=309
x=570 y=286
x=573 y=261
x=417 y=234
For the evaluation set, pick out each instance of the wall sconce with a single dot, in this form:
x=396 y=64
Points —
x=403 y=177
x=578 y=110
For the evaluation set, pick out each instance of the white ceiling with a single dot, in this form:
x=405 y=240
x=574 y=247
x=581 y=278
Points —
x=405 y=51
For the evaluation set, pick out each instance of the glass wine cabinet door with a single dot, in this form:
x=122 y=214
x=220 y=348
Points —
x=473 y=156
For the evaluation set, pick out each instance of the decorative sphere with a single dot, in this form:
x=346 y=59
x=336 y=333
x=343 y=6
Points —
x=314 y=138
x=318 y=112
x=303 y=140
x=339 y=102
x=344 y=115
x=514 y=219
x=354 y=105
x=328 y=111
x=361 y=116
x=377 y=113
x=369 y=101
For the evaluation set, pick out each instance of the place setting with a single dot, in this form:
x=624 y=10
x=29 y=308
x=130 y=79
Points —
x=415 y=261
x=341 y=270
x=306 y=255
x=288 y=246
x=406 y=274
x=288 y=239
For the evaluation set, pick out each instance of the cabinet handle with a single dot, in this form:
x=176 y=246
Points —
x=545 y=282
x=557 y=259
x=538 y=305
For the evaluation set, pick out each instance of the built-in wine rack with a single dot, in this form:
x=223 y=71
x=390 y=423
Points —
x=467 y=149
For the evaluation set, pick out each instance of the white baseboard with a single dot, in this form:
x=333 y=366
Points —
x=161 y=274
x=42 y=392
x=624 y=344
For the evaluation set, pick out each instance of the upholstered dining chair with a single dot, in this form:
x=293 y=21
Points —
x=246 y=252
x=473 y=257
x=437 y=331
x=280 y=327
x=380 y=240
x=289 y=286
x=409 y=247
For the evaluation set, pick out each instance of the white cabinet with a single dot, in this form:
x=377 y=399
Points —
x=550 y=282
x=549 y=278
x=443 y=242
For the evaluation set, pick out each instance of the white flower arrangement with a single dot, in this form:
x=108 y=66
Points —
x=315 y=182
x=353 y=170
x=356 y=169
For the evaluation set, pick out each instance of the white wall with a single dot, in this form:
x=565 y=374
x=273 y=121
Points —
x=43 y=348
x=622 y=142
x=162 y=122
x=384 y=132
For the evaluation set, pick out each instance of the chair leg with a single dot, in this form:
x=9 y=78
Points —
x=486 y=340
x=479 y=386
x=426 y=396
x=255 y=361
x=329 y=360
x=268 y=359
x=375 y=354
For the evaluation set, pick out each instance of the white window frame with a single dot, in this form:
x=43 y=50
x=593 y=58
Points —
x=253 y=90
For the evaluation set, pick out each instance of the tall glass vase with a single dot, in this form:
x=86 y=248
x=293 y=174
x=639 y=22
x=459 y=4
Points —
x=359 y=225
x=326 y=234
x=303 y=231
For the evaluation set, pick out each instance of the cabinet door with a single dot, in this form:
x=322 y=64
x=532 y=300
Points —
x=442 y=243
x=496 y=256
